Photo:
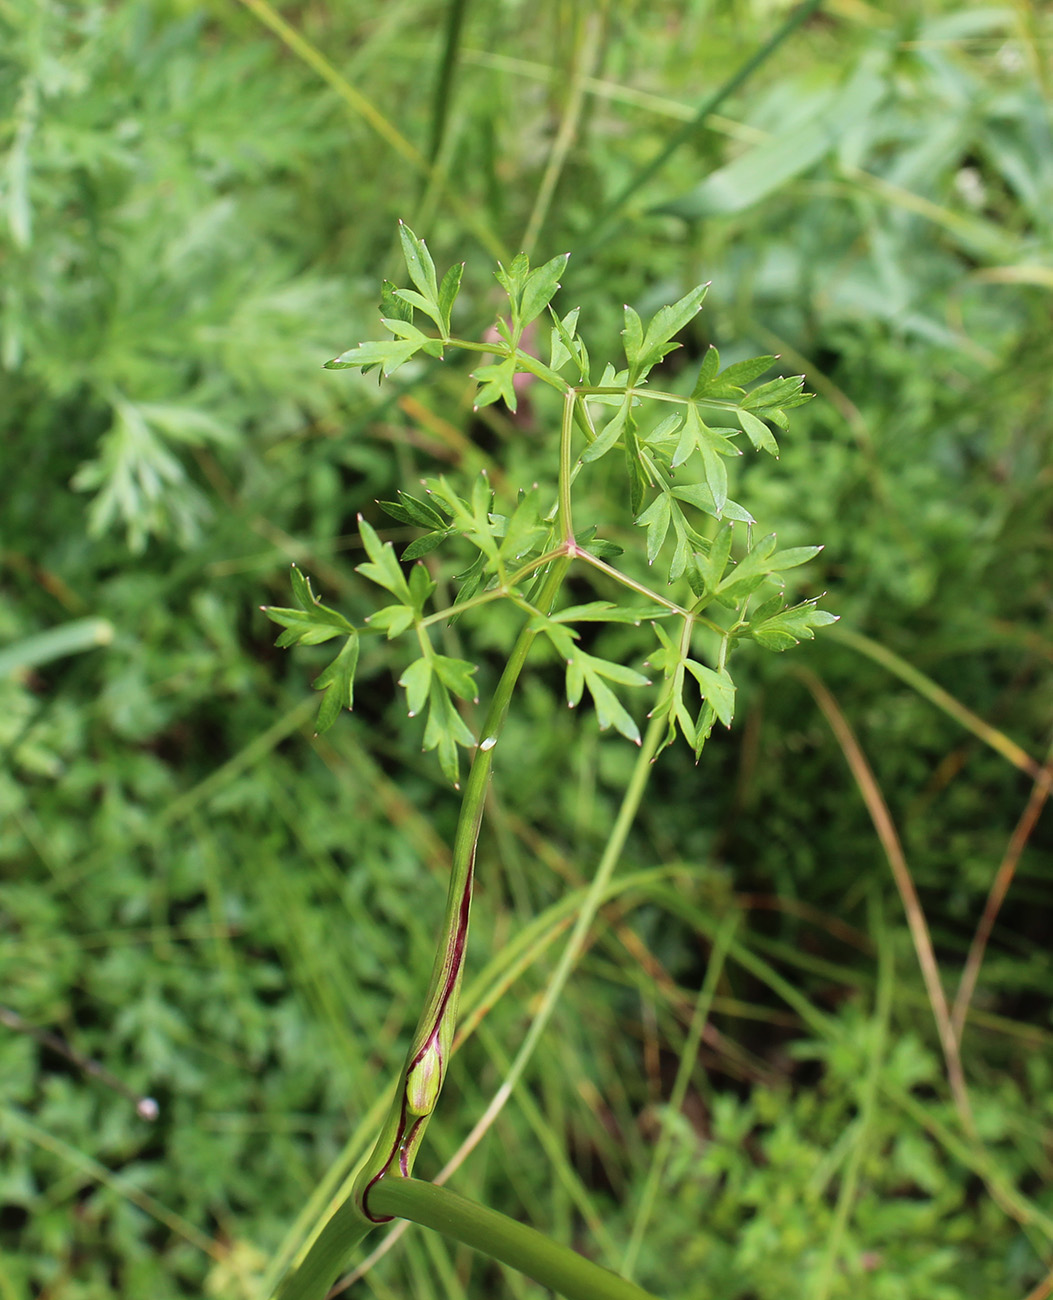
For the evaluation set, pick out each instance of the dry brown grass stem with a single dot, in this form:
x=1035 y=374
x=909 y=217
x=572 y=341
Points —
x=1040 y=791
x=919 y=929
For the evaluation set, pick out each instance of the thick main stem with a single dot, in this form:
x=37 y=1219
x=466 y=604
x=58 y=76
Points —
x=566 y=1272
x=425 y=1067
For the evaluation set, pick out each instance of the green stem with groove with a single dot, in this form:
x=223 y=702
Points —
x=568 y=958
x=563 y=1270
x=425 y=1068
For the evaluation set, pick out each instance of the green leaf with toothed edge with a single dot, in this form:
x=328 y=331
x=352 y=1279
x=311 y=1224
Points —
x=711 y=445
x=540 y=288
x=419 y=264
x=404 y=329
x=777 y=627
x=513 y=278
x=338 y=682
x=657 y=340
x=717 y=689
x=416 y=681
x=421 y=586
x=311 y=624
x=496 y=384
x=632 y=335
x=656 y=520
x=730 y=383
x=609 y=434
x=758 y=432
x=523 y=531
x=704 y=726
x=566 y=346
x=448 y=290
x=782 y=393
x=700 y=495
x=409 y=510
x=456 y=676
x=425 y=545
x=414 y=299
x=445 y=730
x=670 y=661
x=388 y=355
x=761 y=563
x=392 y=307
x=392 y=619
x=610 y=711
x=382 y=567
x=302 y=628
x=712 y=564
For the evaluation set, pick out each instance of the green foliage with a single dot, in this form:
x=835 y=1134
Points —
x=533 y=534
x=237 y=918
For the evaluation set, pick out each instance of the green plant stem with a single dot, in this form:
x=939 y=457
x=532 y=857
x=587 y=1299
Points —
x=566 y=472
x=501 y=1238
x=311 y=1273
x=403 y=1130
x=590 y=906
x=632 y=584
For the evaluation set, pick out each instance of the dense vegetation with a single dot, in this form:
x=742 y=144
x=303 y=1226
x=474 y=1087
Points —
x=197 y=204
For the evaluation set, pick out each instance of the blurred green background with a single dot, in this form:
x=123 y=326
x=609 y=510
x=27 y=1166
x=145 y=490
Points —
x=197 y=205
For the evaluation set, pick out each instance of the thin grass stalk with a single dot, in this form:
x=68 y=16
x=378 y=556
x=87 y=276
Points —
x=971 y=1156
x=996 y=896
x=15 y=1122
x=688 y=1057
x=585 y=56
x=943 y=700
x=443 y=99
x=1044 y=1289
x=362 y=107
x=886 y=983
x=709 y=105
x=919 y=929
